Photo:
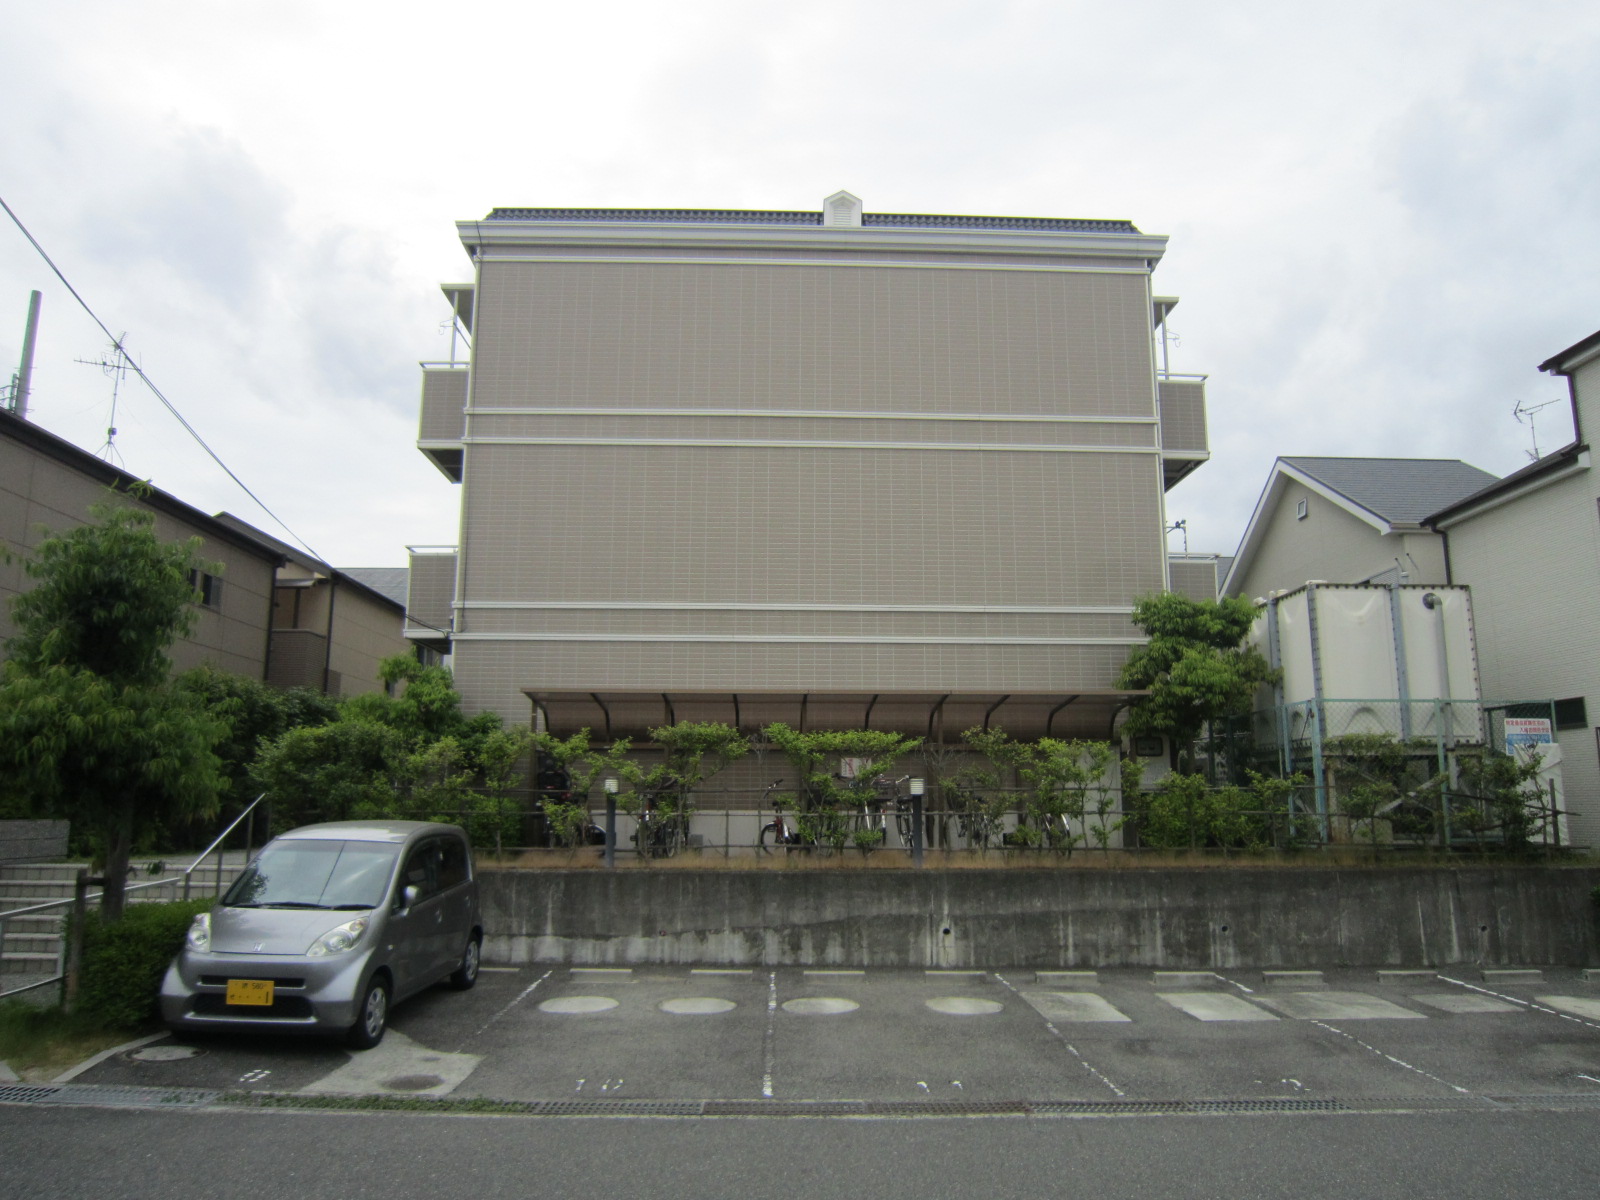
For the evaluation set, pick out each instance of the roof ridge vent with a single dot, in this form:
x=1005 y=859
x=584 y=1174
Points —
x=842 y=211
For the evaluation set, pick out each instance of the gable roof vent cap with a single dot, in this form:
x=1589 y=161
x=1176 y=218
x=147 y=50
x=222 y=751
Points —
x=842 y=211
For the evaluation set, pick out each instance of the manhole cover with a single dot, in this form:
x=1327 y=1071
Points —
x=412 y=1083
x=820 y=1006
x=165 y=1053
x=697 y=1005
x=578 y=1004
x=963 y=1006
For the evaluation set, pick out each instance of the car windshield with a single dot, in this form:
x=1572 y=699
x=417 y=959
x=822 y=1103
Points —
x=315 y=874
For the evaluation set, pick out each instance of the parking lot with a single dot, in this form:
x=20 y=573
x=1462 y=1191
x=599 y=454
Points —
x=553 y=1033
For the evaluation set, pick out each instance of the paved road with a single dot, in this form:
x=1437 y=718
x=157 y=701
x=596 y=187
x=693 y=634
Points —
x=56 y=1154
x=540 y=1034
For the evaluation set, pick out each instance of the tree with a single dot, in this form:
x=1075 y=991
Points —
x=1064 y=784
x=255 y=713
x=827 y=801
x=1194 y=666
x=91 y=727
x=413 y=756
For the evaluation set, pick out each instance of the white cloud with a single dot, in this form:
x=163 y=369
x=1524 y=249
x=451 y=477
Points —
x=1382 y=216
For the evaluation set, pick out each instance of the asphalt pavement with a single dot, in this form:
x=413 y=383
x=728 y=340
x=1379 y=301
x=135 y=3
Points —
x=966 y=1040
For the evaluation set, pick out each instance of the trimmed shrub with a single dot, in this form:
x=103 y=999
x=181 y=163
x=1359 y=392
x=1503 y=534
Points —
x=123 y=961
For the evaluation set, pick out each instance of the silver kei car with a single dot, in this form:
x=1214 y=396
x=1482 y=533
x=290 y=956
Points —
x=327 y=927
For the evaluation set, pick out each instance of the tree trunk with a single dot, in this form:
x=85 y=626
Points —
x=118 y=849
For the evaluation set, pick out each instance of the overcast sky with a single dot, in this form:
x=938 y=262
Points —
x=1382 y=216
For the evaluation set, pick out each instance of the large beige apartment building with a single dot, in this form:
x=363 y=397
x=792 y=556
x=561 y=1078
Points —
x=836 y=468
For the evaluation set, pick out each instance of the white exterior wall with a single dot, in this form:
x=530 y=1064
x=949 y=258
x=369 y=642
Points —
x=1534 y=568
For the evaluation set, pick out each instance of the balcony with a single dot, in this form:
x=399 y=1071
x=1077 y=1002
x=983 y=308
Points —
x=431 y=596
x=1184 y=446
x=444 y=403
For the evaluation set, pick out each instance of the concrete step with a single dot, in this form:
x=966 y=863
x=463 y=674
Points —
x=28 y=962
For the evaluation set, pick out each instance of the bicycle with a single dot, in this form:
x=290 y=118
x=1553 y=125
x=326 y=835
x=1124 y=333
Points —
x=778 y=832
x=978 y=819
x=660 y=834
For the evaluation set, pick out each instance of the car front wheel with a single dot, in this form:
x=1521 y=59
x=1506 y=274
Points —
x=373 y=1017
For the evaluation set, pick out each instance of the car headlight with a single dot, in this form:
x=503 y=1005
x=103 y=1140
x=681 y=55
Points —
x=337 y=941
x=199 y=936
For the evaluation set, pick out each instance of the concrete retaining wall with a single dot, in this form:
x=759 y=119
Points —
x=33 y=841
x=1164 y=917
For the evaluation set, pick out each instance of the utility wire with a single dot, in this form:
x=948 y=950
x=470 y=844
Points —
x=150 y=383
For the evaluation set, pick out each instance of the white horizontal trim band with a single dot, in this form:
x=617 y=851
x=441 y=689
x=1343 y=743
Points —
x=806 y=444
x=809 y=415
x=1135 y=267
x=1068 y=610
x=816 y=639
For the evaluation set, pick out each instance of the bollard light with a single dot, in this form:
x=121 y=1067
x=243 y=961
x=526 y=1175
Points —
x=916 y=787
x=610 y=786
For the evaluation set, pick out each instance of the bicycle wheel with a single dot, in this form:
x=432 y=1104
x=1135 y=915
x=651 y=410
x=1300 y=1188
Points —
x=768 y=838
x=905 y=826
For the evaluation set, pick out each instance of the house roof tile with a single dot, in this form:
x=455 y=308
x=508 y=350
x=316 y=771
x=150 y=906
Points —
x=1399 y=490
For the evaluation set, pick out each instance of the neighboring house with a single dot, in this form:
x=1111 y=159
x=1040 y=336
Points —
x=1348 y=520
x=1198 y=576
x=836 y=468
x=47 y=485
x=330 y=628
x=1528 y=546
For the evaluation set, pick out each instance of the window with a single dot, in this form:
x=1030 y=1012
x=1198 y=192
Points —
x=207 y=588
x=1300 y=509
x=1572 y=714
x=453 y=865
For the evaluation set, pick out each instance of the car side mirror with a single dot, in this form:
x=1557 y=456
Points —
x=409 y=895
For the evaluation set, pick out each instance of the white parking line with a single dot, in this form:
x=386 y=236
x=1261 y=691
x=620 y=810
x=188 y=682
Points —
x=766 y=1045
x=1544 y=1008
x=1060 y=1037
x=1399 y=1062
x=521 y=996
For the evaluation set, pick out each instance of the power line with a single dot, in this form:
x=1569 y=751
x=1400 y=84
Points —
x=150 y=383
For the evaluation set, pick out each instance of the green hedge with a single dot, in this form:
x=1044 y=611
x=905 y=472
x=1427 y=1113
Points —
x=123 y=961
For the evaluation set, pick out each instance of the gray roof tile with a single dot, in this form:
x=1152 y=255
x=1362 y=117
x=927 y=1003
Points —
x=388 y=581
x=719 y=216
x=1397 y=489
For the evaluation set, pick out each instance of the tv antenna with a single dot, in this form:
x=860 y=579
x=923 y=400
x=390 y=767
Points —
x=1521 y=410
x=116 y=368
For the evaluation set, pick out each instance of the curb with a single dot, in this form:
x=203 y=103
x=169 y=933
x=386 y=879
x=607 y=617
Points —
x=72 y=1073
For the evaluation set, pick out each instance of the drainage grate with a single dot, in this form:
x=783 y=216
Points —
x=131 y=1097
x=1267 y=1106
x=1108 y=1108
x=23 y=1094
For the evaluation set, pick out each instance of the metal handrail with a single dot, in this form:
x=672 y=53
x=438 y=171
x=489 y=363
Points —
x=188 y=871
x=61 y=952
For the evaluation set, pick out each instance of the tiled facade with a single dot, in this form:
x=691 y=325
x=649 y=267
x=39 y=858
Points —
x=750 y=452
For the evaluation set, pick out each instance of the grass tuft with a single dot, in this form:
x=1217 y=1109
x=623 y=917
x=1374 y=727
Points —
x=40 y=1043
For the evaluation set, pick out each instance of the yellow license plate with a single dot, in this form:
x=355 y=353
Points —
x=250 y=991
